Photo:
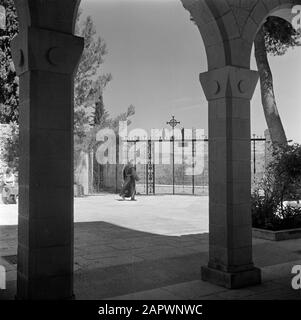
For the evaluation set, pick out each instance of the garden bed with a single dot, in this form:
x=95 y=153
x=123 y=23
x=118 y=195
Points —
x=276 y=199
x=277 y=235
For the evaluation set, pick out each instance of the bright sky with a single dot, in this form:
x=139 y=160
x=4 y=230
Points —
x=155 y=56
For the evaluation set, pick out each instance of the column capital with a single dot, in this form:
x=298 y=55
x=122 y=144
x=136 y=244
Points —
x=229 y=82
x=46 y=50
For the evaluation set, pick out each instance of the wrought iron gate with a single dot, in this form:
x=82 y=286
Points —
x=171 y=179
x=158 y=176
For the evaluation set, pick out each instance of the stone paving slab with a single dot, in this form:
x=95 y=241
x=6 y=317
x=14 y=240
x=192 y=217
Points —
x=200 y=290
x=167 y=267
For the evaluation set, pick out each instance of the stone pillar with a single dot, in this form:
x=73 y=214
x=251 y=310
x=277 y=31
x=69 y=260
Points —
x=45 y=61
x=229 y=90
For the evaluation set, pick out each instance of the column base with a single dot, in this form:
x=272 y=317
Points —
x=231 y=280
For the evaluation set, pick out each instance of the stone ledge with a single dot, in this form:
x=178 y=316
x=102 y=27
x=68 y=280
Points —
x=277 y=235
x=231 y=280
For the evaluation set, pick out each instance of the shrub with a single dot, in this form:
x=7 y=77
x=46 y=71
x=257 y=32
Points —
x=10 y=146
x=281 y=183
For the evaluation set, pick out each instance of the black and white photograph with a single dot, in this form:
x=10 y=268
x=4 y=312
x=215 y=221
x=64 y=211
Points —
x=150 y=150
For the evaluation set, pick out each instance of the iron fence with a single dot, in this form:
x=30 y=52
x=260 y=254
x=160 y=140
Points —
x=162 y=165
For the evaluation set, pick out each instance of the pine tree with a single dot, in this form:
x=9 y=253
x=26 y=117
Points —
x=100 y=114
x=90 y=114
x=89 y=83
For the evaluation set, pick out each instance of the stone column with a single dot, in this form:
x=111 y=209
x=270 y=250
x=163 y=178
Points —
x=229 y=91
x=45 y=61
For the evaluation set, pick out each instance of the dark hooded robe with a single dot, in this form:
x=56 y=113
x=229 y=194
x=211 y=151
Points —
x=128 y=189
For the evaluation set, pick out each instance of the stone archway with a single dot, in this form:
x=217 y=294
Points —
x=228 y=29
x=46 y=54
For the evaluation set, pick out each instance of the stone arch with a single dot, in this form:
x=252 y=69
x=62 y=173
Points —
x=228 y=27
x=221 y=24
x=206 y=21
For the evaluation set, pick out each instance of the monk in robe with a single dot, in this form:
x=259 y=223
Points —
x=130 y=177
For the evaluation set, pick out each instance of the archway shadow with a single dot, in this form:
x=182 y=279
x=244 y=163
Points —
x=113 y=261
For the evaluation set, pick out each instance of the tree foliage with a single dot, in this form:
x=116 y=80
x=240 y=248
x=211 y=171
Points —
x=10 y=142
x=286 y=168
x=90 y=113
x=275 y=37
x=281 y=184
x=280 y=36
x=88 y=83
x=89 y=142
x=9 y=89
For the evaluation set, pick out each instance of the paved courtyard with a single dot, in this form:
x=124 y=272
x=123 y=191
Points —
x=152 y=249
x=165 y=215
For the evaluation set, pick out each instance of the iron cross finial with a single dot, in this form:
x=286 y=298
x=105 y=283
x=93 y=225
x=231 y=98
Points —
x=173 y=122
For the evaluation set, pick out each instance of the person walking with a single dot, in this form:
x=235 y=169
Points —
x=130 y=177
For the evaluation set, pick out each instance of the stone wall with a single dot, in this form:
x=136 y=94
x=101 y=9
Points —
x=112 y=177
x=81 y=173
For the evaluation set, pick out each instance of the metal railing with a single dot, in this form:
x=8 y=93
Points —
x=160 y=177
